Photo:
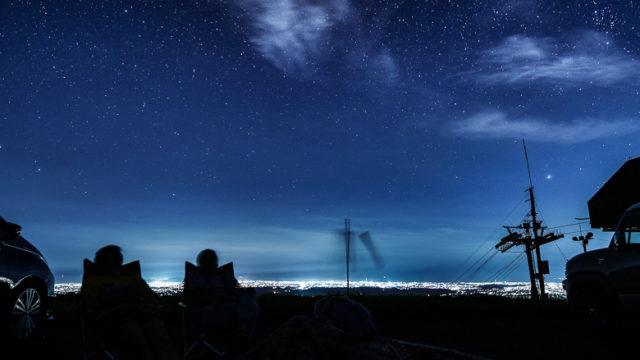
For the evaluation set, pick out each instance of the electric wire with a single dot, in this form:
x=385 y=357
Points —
x=500 y=270
x=573 y=232
x=515 y=207
x=514 y=267
x=498 y=273
x=474 y=265
x=503 y=276
x=561 y=253
x=482 y=265
x=567 y=225
x=491 y=235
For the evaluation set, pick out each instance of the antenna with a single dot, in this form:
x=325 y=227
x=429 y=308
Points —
x=347 y=234
x=366 y=240
x=581 y=238
x=527 y=158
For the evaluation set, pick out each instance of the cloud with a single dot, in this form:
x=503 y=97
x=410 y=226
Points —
x=517 y=48
x=302 y=38
x=497 y=124
x=384 y=68
x=589 y=58
x=294 y=34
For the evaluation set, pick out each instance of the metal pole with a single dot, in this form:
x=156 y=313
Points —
x=347 y=231
x=584 y=241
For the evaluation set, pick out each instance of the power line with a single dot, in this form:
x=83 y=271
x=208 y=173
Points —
x=561 y=253
x=514 y=267
x=498 y=273
x=473 y=265
x=483 y=264
x=573 y=232
x=482 y=244
x=504 y=268
x=509 y=270
x=574 y=224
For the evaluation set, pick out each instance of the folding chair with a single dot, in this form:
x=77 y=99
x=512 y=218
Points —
x=195 y=336
x=93 y=344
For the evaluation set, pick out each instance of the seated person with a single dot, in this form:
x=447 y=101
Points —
x=220 y=303
x=124 y=307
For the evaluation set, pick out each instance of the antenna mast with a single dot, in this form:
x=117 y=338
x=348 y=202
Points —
x=527 y=158
x=347 y=237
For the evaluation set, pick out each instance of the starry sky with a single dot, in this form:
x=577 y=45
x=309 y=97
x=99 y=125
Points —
x=254 y=127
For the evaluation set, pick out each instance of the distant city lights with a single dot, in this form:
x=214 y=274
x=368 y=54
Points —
x=318 y=287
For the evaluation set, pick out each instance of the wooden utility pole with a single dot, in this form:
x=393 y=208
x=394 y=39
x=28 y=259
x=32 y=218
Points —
x=535 y=224
x=347 y=237
x=534 y=288
x=531 y=237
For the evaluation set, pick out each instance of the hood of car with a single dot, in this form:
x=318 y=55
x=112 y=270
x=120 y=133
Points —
x=594 y=260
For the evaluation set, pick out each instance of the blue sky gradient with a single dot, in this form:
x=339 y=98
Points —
x=255 y=127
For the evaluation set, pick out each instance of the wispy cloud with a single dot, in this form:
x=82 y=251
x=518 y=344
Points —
x=590 y=58
x=302 y=38
x=497 y=124
x=384 y=68
x=294 y=35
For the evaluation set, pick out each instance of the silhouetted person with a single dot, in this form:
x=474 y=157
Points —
x=221 y=305
x=124 y=307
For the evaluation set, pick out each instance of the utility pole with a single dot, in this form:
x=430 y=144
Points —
x=347 y=234
x=531 y=237
x=536 y=241
x=534 y=288
x=535 y=225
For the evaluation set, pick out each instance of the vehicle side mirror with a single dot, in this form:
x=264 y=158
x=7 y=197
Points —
x=618 y=240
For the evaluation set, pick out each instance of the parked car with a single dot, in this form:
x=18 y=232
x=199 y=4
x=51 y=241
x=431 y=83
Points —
x=26 y=283
x=603 y=284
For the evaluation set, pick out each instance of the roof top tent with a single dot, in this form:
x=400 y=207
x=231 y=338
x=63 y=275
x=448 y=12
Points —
x=622 y=190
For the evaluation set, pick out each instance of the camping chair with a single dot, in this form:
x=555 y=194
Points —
x=92 y=341
x=194 y=335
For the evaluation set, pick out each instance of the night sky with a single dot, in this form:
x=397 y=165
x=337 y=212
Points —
x=254 y=127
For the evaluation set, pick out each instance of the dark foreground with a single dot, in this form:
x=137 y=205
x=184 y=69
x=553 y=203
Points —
x=492 y=327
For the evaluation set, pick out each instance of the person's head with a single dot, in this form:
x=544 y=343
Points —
x=207 y=259
x=108 y=259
